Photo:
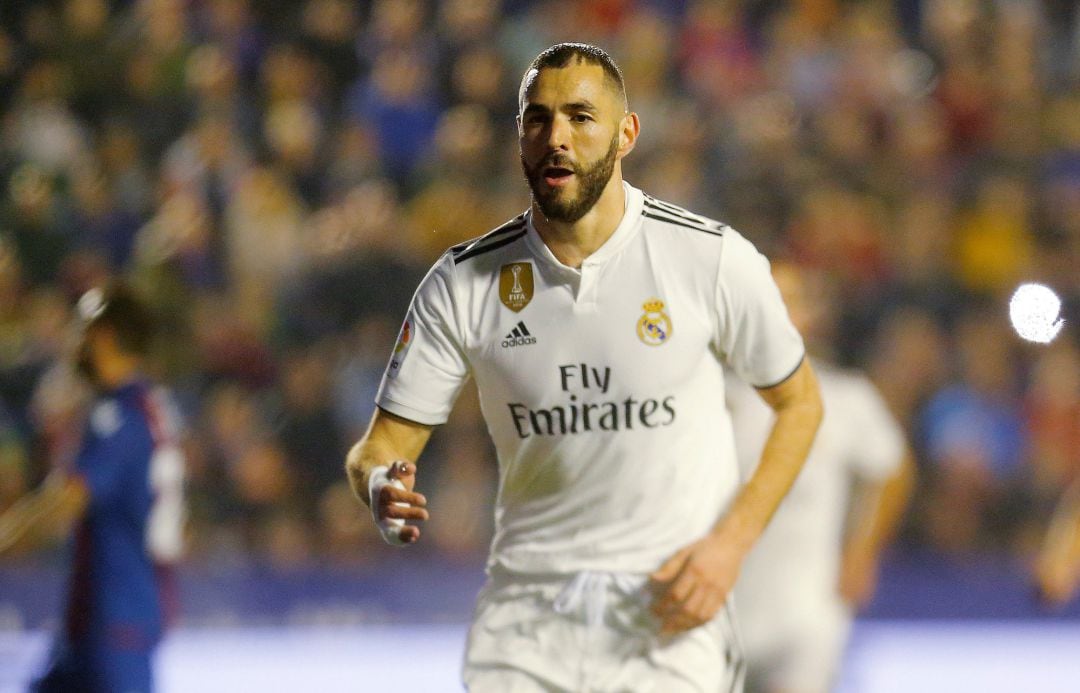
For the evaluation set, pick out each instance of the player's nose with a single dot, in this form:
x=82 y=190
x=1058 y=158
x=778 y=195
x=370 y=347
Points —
x=558 y=134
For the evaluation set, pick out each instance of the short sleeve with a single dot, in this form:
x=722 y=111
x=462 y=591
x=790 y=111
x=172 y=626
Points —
x=427 y=367
x=880 y=445
x=756 y=336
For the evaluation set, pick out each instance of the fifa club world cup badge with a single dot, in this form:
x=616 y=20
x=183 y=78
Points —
x=400 y=349
x=516 y=285
x=654 y=327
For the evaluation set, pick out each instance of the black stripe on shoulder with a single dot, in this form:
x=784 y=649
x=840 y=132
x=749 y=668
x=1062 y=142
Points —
x=512 y=226
x=685 y=224
x=709 y=225
x=676 y=210
x=673 y=209
x=481 y=248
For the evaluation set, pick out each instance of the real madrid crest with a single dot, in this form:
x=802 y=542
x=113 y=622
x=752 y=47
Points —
x=654 y=327
x=516 y=285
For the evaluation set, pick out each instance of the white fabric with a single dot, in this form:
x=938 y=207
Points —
x=613 y=452
x=389 y=527
x=591 y=632
x=164 y=534
x=792 y=618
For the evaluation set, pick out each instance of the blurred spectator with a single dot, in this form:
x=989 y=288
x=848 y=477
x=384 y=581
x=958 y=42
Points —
x=1052 y=409
x=396 y=24
x=359 y=371
x=329 y=33
x=159 y=50
x=976 y=439
x=231 y=24
x=34 y=224
x=993 y=242
x=98 y=223
x=307 y=427
x=40 y=127
x=357 y=266
x=399 y=101
x=208 y=161
x=262 y=240
x=461 y=195
x=90 y=53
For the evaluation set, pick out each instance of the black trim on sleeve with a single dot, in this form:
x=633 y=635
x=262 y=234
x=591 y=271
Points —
x=393 y=415
x=781 y=381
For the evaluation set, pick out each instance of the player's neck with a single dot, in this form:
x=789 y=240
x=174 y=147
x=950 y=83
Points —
x=571 y=243
x=114 y=373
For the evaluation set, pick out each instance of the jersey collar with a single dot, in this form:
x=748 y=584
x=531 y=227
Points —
x=628 y=228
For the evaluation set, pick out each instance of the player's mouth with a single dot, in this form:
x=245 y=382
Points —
x=557 y=176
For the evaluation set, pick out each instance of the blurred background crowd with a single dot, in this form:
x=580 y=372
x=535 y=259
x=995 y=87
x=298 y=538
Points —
x=277 y=176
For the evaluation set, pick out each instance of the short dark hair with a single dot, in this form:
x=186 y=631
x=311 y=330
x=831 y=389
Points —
x=561 y=54
x=119 y=308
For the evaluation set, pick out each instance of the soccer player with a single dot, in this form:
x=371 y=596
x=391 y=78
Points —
x=817 y=560
x=1057 y=567
x=124 y=498
x=596 y=325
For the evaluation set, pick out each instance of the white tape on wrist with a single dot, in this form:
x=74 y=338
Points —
x=390 y=527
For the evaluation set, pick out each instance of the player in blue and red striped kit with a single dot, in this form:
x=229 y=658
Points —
x=125 y=500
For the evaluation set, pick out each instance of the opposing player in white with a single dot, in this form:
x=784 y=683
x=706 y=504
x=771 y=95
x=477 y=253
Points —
x=596 y=326
x=817 y=560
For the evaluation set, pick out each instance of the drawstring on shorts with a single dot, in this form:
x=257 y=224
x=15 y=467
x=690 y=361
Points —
x=587 y=591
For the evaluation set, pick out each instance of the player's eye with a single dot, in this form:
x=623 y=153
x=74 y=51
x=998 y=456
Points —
x=580 y=118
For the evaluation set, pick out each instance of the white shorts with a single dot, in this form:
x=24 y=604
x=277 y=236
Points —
x=592 y=632
x=798 y=652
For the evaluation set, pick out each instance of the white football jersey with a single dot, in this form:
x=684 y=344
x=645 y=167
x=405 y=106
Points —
x=792 y=572
x=602 y=387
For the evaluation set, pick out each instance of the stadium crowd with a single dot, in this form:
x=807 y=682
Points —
x=278 y=175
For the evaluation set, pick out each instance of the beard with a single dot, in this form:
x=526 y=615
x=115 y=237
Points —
x=556 y=203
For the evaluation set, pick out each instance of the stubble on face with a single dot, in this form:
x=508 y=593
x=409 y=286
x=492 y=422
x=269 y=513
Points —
x=558 y=204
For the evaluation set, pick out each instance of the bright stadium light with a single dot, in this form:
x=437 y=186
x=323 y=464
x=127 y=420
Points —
x=1034 y=310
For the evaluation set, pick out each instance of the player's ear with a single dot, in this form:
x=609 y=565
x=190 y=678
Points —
x=629 y=127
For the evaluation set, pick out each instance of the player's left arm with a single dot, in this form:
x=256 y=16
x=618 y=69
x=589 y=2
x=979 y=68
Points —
x=696 y=581
x=877 y=509
x=43 y=514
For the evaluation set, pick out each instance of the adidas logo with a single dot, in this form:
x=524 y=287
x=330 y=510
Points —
x=519 y=336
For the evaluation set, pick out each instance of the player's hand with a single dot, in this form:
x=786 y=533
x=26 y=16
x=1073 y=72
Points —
x=693 y=585
x=393 y=503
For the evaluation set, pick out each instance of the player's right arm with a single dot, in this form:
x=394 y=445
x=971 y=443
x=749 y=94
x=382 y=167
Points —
x=395 y=443
x=426 y=372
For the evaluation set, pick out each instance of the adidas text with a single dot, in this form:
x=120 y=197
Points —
x=519 y=336
x=518 y=341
